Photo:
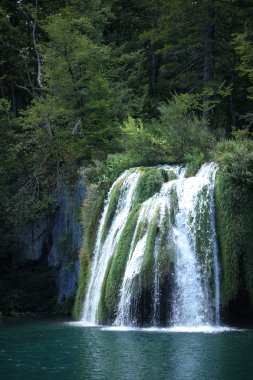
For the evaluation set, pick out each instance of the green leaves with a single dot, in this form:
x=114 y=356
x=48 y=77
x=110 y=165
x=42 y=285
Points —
x=244 y=48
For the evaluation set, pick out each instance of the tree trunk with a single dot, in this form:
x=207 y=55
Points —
x=154 y=59
x=14 y=99
x=39 y=84
x=209 y=56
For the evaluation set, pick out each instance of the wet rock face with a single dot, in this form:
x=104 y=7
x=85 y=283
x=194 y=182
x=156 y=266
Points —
x=58 y=239
x=37 y=239
x=239 y=312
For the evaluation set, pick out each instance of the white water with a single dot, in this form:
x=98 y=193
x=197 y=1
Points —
x=194 y=303
x=104 y=250
x=191 y=299
x=206 y=329
x=156 y=286
x=158 y=203
x=215 y=250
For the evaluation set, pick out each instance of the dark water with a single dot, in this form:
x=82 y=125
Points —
x=39 y=350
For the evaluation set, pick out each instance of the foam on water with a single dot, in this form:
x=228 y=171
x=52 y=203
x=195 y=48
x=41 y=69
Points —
x=207 y=329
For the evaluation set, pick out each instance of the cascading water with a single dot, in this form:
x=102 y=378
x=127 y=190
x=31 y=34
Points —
x=104 y=249
x=157 y=205
x=192 y=298
x=170 y=272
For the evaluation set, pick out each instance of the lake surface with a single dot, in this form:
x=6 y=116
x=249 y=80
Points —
x=44 y=349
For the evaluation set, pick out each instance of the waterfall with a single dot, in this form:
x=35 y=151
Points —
x=170 y=271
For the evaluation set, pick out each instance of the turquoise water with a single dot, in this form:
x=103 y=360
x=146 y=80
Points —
x=45 y=349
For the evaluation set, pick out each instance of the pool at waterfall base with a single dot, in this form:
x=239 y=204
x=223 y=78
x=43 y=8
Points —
x=54 y=349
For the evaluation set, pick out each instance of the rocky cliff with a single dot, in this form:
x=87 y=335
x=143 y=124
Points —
x=45 y=276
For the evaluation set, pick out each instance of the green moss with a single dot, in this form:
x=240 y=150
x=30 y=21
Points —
x=103 y=311
x=236 y=156
x=168 y=175
x=192 y=169
x=150 y=182
x=166 y=252
x=165 y=175
x=248 y=268
x=195 y=160
x=201 y=226
x=234 y=216
x=116 y=270
x=65 y=245
x=173 y=204
x=112 y=207
x=92 y=209
x=141 y=229
x=171 y=176
x=148 y=260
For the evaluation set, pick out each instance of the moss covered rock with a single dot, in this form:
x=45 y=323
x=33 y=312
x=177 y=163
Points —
x=92 y=209
x=234 y=216
x=150 y=182
x=148 y=260
x=116 y=269
x=112 y=207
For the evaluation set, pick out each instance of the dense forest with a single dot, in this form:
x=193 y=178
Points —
x=108 y=85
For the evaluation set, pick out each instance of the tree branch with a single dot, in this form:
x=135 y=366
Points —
x=24 y=88
x=37 y=57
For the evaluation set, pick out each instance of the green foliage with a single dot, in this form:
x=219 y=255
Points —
x=183 y=131
x=177 y=136
x=81 y=74
x=195 y=160
x=72 y=115
x=8 y=173
x=237 y=157
x=243 y=47
x=142 y=144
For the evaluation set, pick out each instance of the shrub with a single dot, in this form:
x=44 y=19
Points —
x=236 y=156
x=234 y=213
